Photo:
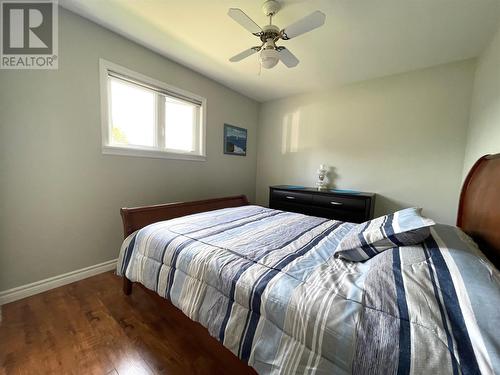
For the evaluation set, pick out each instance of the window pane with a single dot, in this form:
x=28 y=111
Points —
x=132 y=114
x=180 y=124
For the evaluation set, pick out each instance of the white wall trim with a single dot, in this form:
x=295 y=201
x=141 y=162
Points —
x=27 y=290
x=158 y=154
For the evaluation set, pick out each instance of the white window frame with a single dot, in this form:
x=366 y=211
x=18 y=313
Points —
x=107 y=67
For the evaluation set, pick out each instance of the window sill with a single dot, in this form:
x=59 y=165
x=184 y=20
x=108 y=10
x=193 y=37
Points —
x=145 y=153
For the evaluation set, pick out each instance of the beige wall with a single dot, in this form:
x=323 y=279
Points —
x=402 y=137
x=484 y=128
x=59 y=195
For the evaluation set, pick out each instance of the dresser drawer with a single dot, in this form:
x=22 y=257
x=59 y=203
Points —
x=291 y=207
x=352 y=207
x=339 y=203
x=291 y=196
x=352 y=216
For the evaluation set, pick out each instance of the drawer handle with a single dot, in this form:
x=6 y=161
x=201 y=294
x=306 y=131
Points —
x=336 y=203
x=289 y=197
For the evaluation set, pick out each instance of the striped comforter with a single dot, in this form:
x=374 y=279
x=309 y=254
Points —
x=266 y=284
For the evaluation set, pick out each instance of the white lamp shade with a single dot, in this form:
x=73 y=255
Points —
x=269 y=58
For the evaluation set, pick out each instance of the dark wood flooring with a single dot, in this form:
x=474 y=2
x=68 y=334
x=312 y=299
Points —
x=90 y=327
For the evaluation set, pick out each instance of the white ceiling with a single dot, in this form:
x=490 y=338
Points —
x=361 y=39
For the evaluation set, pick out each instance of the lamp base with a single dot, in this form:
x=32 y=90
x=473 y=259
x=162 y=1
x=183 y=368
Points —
x=322 y=185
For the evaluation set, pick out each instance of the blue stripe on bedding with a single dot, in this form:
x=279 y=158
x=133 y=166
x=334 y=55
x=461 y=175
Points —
x=388 y=228
x=228 y=221
x=128 y=254
x=478 y=284
x=225 y=227
x=449 y=340
x=267 y=284
x=367 y=248
x=173 y=265
x=235 y=279
x=161 y=258
x=255 y=296
x=404 y=320
x=402 y=228
x=467 y=358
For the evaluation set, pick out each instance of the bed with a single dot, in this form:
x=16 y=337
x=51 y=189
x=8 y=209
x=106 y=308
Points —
x=266 y=284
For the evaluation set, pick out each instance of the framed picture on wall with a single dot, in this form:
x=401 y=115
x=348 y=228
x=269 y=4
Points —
x=235 y=140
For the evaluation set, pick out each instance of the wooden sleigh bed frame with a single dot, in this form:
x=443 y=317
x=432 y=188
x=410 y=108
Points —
x=478 y=216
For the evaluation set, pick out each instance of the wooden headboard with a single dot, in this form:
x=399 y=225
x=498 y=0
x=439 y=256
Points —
x=479 y=207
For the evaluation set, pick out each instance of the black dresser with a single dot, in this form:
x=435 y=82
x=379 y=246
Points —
x=343 y=205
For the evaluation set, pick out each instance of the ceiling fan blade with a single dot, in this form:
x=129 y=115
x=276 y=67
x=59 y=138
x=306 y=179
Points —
x=240 y=56
x=287 y=57
x=239 y=16
x=302 y=26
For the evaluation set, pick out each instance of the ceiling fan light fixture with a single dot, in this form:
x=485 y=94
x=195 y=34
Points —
x=269 y=52
x=269 y=58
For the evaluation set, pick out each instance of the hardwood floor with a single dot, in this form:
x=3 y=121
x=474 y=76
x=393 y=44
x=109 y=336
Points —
x=90 y=327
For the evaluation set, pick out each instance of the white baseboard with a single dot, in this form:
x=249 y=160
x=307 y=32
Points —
x=27 y=290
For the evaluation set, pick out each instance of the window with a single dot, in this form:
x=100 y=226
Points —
x=145 y=117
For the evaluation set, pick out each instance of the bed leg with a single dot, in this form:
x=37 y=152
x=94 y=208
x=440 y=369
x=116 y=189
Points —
x=127 y=286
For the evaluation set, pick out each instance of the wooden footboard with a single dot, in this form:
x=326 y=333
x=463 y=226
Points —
x=138 y=217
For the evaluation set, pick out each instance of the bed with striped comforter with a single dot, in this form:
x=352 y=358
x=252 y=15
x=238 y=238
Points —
x=266 y=284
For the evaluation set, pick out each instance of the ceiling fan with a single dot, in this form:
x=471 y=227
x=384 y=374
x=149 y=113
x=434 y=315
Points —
x=270 y=53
